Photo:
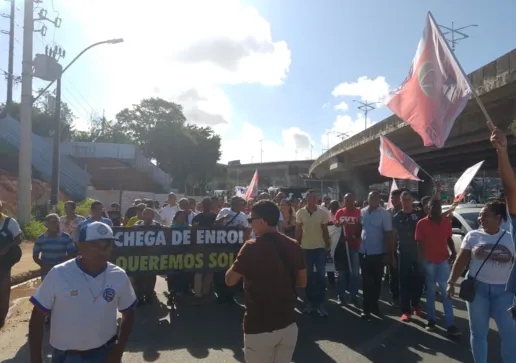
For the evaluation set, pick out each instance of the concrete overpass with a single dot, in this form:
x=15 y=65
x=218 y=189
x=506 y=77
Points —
x=280 y=173
x=354 y=161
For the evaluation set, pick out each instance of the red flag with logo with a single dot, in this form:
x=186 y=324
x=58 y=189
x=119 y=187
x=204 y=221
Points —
x=394 y=163
x=436 y=90
x=252 y=189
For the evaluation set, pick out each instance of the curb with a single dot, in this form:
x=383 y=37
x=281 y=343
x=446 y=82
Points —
x=24 y=278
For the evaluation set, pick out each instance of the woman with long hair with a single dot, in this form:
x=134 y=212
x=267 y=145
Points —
x=289 y=218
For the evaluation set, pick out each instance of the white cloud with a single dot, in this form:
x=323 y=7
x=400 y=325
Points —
x=344 y=127
x=326 y=105
x=368 y=90
x=343 y=106
x=246 y=146
x=183 y=51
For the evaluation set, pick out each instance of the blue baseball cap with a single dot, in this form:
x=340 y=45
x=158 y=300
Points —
x=96 y=231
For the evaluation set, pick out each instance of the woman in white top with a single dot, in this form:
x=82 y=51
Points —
x=495 y=246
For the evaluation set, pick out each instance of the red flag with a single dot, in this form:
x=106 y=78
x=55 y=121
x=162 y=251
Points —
x=252 y=189
x=436 y=90
x=394 y=163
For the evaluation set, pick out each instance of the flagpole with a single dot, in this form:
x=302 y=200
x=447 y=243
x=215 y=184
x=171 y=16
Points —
x=424 y=171
x=484 y=111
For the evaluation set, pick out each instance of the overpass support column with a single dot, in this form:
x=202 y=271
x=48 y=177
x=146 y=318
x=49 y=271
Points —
x=426 y=186
x=356 y=185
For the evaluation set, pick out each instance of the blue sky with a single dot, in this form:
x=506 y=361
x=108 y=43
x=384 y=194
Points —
x=256 y=69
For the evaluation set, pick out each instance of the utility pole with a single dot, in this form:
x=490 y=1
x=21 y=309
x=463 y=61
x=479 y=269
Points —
x=454 y=41
x=10 y=66
x=365 y=107
x=56 y=54
x=25 y=149
x=261 y=151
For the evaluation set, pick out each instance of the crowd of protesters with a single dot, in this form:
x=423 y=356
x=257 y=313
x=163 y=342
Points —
x=285 y=257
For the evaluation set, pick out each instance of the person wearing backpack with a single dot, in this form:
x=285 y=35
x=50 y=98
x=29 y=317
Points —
x=10 y=254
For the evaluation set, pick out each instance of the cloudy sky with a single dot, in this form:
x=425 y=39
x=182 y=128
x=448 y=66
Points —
x=283 y=71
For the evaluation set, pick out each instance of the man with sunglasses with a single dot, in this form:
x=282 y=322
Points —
x=82 y=297
x=272 y=266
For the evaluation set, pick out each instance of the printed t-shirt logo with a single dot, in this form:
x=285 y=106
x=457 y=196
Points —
x=109 y=294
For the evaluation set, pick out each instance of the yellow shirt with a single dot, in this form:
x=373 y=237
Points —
x=132 y=221
x=312 y=231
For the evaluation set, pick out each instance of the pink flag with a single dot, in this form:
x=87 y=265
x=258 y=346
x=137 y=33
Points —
x=394 y=186
x=436 y=90
x=394 y=163
x=252 y=189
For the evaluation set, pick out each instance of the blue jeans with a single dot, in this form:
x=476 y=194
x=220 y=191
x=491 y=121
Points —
x=438 y=274
x=348 y=280
x=316 y=284
x=491 y=301
x=411 y=280
x=98 y=355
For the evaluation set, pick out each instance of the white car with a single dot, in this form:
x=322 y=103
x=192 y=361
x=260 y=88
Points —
x=465 y=219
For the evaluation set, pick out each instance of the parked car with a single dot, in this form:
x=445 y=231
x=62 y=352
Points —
x=465 y=219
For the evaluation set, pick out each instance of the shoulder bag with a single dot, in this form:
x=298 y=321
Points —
x=468 y=286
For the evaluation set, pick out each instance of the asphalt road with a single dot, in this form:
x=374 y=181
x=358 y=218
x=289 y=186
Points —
x=212 y=333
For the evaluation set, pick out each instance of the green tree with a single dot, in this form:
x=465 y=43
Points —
x=102 y=130
x=187 y=152
x=43 y=121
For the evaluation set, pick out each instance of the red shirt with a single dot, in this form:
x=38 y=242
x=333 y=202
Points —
x=433 y=238
x=352 y=217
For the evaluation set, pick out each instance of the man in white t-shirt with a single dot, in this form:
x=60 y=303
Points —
x=169 y=211
x=82 y=297
x=230 y=217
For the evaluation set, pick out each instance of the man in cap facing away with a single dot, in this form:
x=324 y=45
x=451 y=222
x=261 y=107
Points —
x=83 y=296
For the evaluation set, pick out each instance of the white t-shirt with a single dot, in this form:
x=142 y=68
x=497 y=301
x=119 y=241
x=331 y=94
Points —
x=77 y=322
x=13 y=227
x=168 y=213
x=497 y=269
x=240 y=219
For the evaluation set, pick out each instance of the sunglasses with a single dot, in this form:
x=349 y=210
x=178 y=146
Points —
x=250 y=220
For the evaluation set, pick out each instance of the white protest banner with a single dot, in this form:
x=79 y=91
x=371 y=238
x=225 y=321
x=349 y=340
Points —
x=465 y=179
x=335 y=233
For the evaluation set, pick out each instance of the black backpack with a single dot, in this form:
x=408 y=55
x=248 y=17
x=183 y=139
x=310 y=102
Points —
x=14 y=254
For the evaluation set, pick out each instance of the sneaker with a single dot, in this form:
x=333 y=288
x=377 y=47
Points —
x=365 y=316
x=418 y=312
x=307 y=309
x=453 y=331
x=322 y=312
x=354 y=302
x=430 y=325
x=405 y=318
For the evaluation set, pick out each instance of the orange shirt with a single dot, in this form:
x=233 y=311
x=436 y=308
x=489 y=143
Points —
x=433 y=238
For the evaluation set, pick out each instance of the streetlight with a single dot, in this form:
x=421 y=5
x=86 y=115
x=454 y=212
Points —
x=111 y=41
x=54 y=188
x=366 y=107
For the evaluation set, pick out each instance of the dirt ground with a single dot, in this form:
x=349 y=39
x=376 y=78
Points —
x=25 y=269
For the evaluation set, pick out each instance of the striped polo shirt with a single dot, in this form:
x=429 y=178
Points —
x=54 y=249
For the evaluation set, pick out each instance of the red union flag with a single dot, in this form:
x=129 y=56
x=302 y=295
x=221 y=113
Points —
x=394 y=163
x=252 y=189
x=436 y=90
